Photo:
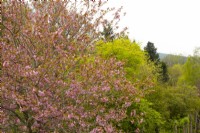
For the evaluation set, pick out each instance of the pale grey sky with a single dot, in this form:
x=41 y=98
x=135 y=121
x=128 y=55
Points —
x=172 y=25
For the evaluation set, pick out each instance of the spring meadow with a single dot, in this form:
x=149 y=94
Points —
x=66 y=67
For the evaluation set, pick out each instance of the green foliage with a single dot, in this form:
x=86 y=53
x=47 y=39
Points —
x=191 y=71
x=123 y=49
x=184 y=120
x=174 y=103
x=152 y=118
x=154 y=57
x=175 y=72
x=148 y=121
x=142 y=73
x=164 y=72
x=108 y=33
x=136 y=65
x=152 y=52
x=179 y=98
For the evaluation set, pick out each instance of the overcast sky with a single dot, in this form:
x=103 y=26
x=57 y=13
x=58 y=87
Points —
x=172 y=25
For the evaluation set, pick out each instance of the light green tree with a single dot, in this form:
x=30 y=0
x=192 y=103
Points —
x=175 y=72
x=142 y=73
x=136 y=64
x=191 y=70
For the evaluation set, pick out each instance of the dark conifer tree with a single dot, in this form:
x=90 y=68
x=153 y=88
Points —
x=152 y=52
x=108 y=33
x=154 y=57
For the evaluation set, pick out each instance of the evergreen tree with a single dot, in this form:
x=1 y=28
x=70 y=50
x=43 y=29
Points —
x=154 y=57
x=164 y=72
x=108 y=33
x=152 y=52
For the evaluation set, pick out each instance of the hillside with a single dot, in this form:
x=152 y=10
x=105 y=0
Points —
x=170 y=59
x=163 y=55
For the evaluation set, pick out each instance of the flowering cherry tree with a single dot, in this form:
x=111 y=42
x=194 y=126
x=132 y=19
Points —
x=50 y=81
